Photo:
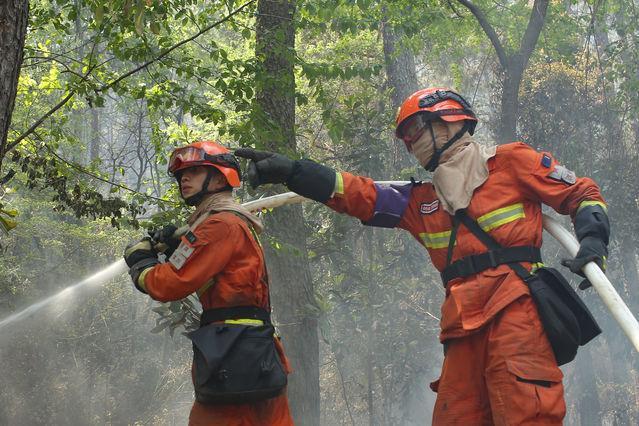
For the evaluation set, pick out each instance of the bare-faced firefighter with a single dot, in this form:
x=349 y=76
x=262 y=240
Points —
x=480 y=220
x=239 y=367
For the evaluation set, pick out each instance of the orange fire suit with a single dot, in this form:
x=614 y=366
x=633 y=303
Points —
x=499 y=367
x=226 y=269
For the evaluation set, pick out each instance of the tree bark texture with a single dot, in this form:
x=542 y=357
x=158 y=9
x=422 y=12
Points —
x=400 y=67
x=14 y=15
x=290 y=276
x=402 y=80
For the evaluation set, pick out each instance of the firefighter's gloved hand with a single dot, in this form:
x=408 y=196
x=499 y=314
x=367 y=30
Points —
x=139 y=250
x=266 y=167
x=591 y=249
x=165 y=239
x=140 y=256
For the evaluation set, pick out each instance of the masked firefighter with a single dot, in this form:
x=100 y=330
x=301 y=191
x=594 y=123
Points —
x=220 y=259
x=498 y=367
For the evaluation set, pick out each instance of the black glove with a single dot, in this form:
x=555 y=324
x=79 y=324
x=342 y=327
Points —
x=266 y=167
x=305 y=177
x=591 y=249
x=139 y=256
x=165 y=239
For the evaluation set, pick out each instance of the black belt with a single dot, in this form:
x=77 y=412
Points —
x=471 y=265
x=236 y=312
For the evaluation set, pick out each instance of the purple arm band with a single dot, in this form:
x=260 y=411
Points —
x=390 y=205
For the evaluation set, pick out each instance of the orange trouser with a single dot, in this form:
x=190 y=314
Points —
x=505 y=374
x=270 y=412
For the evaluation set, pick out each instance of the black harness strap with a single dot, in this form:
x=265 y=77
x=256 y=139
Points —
x=497 y=255
x=491 y=243
x=470 y=265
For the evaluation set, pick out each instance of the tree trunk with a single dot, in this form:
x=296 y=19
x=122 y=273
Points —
x=291 y=285
x=94 y=148
x=510 y=101
x=400 y=67
x=512 y=64
x=402 y=80
x=14 y=15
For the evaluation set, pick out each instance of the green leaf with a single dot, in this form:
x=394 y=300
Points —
x=98 y=14
x=139 y=22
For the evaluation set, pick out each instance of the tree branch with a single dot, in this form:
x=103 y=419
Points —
x=172 y=48
x=107 y=86
x=83 y=170
x=535 y=24
x=38 y=122
x=489 y=30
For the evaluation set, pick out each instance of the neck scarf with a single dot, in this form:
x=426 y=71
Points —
x=224 y=201
x=462 y=167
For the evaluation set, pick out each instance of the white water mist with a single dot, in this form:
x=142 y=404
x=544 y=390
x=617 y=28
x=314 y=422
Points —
x=110 y=272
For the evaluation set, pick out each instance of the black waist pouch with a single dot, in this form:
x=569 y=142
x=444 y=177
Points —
x=567 y=321
x=236 y=363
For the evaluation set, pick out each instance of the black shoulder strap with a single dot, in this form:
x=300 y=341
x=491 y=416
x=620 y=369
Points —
x=488 y=241
x=451 y=241
x=265 y=278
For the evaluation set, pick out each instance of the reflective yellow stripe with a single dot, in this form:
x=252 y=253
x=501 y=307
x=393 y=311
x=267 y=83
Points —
x=141 y=283
x=536 y=266
x=435 y=240
x=501 y=216
x=487 y=222
x=246 y=321
x=339 y=184
x=205 y=287
x=592 y=203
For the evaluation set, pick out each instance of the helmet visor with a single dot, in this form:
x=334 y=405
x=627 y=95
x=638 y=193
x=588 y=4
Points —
x=190 y=157
x=188 y=154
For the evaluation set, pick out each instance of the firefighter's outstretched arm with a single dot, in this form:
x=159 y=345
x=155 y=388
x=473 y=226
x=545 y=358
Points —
x=358 y=196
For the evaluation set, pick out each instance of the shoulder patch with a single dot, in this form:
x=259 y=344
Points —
x=563 y=174
x=183 y=252
x=546 y=161
x=429 y=208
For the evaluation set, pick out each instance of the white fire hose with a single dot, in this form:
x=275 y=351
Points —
x=600 y=282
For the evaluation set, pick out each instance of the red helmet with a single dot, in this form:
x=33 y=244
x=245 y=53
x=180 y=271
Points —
x=206 y=153
x=434 y=102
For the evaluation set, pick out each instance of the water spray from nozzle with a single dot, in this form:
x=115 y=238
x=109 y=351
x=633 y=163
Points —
x=119 y=267
x=112 y=271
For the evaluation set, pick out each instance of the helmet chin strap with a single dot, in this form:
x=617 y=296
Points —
x=197 y=198
x=437 y=153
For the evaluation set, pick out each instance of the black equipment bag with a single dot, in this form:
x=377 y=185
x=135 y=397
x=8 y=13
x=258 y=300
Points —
x=236 y=363
x=566 y=320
